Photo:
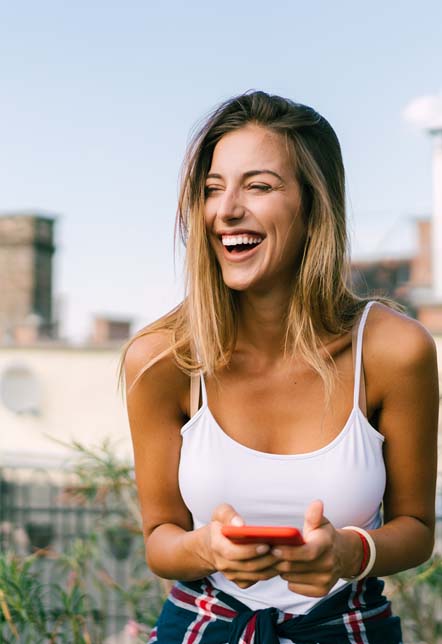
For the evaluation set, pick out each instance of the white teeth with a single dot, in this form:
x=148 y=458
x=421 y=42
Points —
x=234 y=240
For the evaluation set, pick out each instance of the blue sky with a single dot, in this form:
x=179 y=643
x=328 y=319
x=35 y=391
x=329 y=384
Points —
x=97 y=100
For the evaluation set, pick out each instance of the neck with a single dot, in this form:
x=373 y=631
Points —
x=262 y=322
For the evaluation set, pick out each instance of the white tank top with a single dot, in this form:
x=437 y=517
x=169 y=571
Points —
x=347 y=474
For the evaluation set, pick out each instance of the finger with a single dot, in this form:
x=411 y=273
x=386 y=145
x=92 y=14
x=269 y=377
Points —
x=245 y=584
x=239 y=575
x=309 y=590
x=313 y=518
x=320 y=566
x=254 y=565
x=226 y=514
x=308 y=579
x=252 y=552
x=308 y=553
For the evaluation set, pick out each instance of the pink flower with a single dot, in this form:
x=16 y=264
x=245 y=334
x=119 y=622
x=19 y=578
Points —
x=132 y=628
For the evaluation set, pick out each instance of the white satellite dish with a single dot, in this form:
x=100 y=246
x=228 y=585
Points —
x=20 y=390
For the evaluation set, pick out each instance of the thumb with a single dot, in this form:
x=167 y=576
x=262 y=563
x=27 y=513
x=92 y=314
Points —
x=314 y=518
x=226 y=514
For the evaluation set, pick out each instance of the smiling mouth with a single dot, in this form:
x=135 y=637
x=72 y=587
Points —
x=240 y=248
x=241 y=243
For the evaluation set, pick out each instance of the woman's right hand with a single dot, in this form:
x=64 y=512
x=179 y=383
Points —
x=242 y=564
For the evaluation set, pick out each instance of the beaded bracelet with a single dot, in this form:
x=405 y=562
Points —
x=369 y=553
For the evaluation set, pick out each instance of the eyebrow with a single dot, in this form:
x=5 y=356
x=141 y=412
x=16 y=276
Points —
x=250 y=173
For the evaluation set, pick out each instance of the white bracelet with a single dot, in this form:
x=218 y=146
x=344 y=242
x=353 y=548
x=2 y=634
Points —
x=372 y=558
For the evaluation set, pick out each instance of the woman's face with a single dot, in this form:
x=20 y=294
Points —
x=253 y=210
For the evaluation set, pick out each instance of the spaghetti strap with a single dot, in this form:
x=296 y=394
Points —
x=203 y=390
x=359 y=381
x=194 y=393
x=197 y=384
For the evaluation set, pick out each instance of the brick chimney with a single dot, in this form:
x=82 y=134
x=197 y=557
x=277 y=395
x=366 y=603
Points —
x=26 y=250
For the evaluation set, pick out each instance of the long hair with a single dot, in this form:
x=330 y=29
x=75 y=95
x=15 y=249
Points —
x=203 y=328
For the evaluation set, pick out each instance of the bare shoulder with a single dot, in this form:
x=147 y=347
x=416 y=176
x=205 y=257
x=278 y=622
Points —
x=396 y=342
x=145 y=349
x=149 y=364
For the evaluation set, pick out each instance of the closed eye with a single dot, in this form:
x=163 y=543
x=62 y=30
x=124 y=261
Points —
x=260 y=187
x=209 y=190
x=263 y=187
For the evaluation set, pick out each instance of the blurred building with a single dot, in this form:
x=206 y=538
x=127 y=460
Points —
x=407 y=278
x=49 y=388
x=61 y=392
x=416 y=279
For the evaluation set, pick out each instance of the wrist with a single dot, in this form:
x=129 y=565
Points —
x=368 y=552
x=197 y=543
x=351 y=554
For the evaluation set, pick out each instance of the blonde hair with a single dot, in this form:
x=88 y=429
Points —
x=204 y=326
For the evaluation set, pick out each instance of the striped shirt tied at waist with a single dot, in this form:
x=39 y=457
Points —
x=197 y=613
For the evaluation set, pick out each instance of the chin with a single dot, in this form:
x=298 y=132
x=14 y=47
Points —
x=239 y=285
x=238 y=289
x=235 y=282
x=235 y=286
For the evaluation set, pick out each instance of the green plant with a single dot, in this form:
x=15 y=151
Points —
x=104 y=480
x=71 y=614
x=82 y=575
x=33 y=612
x=21 y=599
x=108 y=482
x=417 y=598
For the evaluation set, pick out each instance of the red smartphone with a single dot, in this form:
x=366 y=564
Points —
x=272 y=535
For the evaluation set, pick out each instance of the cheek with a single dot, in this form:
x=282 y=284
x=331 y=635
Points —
x=208 y=218
x=296 y=231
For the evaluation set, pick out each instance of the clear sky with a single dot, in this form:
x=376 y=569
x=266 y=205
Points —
x=97 y=100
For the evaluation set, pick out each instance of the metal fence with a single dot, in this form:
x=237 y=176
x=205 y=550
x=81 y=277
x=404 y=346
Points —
x=36 y=516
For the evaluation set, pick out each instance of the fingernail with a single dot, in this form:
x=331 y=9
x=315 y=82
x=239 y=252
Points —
x=261 y=550
x=276 y=552
x=237 y=521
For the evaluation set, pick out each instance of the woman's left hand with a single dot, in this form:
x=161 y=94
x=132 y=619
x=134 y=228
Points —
x=327 y=555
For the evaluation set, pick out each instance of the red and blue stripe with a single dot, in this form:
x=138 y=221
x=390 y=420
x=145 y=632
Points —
x=197 y=613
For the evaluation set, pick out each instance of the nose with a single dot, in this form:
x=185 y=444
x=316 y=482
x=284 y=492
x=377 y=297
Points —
x=229 y=205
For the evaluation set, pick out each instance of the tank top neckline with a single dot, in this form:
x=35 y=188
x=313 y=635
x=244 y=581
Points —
x=355 y=412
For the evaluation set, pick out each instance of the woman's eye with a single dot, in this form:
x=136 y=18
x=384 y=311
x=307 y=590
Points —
x=209 y=190
x=262 y=187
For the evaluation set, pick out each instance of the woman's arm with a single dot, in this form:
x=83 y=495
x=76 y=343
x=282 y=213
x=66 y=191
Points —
x=155 y=418
x=402 y=388
x=408 y=418
x=156 y=409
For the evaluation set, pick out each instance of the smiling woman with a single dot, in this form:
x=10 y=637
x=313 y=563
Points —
x=239 y=192
x=273 y=396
